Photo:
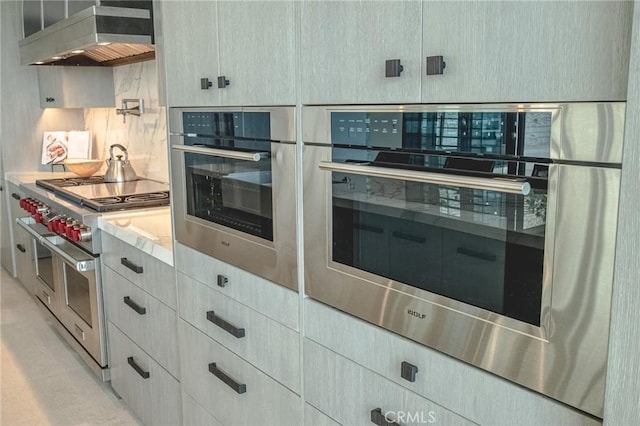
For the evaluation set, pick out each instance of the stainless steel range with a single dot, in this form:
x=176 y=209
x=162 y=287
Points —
x=63 y=221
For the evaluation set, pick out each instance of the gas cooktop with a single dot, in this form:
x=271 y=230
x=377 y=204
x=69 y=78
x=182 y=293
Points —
x=94 y=193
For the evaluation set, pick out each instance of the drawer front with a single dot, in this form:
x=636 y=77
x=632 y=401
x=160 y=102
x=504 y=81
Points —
x=315 y=417
x=271 y=300
x=440 y=378
x=193 y=414
x=154 y=399
x=144 y=319
x=152 y=275
x=269 y=345
x=350 y=393
x=232 y=390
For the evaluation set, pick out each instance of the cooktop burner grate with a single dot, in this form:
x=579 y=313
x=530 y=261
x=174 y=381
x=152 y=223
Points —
x=110 y=203
x=67 y=182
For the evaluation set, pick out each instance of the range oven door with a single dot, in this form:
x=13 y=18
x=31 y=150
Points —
x=81 y=310
x=511 y=279
x=45 y=287
x=233 y=187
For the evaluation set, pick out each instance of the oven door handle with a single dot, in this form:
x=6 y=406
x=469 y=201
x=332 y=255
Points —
x=513 y=186
x=80 y=264
x=234 y=155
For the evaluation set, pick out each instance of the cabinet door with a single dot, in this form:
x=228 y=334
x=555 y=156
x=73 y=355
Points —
x=76 y=87
x=257 y=52
x=190 y=51
x=344 y=46
x=526 y=51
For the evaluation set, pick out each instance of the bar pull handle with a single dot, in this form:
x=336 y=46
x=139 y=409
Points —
x=135 y=268
x=236 y=332
x=21 y=248
x=137 y=368
x=133 y=305
x=478 y=255
x=374 y=229
x=409 y=237
x=377 y=418
x=224 y=153
x=15 y=196
x=500 y=184
x=237 y=387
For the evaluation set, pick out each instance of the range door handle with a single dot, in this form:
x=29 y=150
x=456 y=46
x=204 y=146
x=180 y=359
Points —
x=226 y=326
x=513 y=186
x=224 y=153
x=227 y=380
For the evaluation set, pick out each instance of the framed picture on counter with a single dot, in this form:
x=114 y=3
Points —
x=57 y=146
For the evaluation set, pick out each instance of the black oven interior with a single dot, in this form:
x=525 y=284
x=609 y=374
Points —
x=231 y=192
x=477 y=246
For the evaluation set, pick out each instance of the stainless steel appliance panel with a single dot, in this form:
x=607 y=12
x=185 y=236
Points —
x=272 y=258
x=565 y=356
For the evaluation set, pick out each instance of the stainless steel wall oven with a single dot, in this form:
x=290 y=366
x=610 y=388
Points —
x=484 y=231
x=233 y=183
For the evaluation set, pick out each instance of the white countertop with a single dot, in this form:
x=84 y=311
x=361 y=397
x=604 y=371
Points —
x=18 y=178
x=148 y=230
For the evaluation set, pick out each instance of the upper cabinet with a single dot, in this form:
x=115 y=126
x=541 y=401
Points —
x=76 y=87
x=525 y=51
x=494 y=51
x=229 y=53
x=345 y=46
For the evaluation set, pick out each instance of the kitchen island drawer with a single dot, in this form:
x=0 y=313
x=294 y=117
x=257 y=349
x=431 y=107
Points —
x=147 y=389
x=271 y=300
x=315 y=417
x=354 y=395
x=265 y=343
x=143 y=318
x=232 y=390
x=152 y=275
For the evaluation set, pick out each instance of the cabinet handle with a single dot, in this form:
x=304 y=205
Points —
x=49 y=99
x=377 y=418
x=226 y=326
x=409 y=237
x=133 y=305
x=222 y=82
x=137 y=368
x=21 y=248
x=408 y=371
x=478 y=255
x=205 y=83
x=238 y=387
x=15 y=196
x=222 y=281
x=135 y=268
x=435 y=65
x=369 y=228
x=393 y=68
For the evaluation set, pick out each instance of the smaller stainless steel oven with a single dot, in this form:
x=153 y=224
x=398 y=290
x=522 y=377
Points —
x=233 y=186
x=484 y=231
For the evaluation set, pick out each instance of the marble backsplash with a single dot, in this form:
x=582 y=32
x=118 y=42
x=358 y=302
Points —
x=145 y=137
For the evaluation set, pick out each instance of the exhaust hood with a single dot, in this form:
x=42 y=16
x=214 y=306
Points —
x=97 y=36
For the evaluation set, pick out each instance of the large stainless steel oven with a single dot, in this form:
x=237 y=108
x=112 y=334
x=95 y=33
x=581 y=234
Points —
x=233 y=185
x=484 y=231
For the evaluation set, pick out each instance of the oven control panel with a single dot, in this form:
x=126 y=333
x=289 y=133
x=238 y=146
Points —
x=62 y=225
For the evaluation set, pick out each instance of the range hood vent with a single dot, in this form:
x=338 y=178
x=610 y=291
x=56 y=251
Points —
x=97 y=36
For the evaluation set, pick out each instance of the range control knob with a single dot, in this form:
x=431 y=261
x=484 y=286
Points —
x=51 y=225
x=84 y=234
x=61 y=225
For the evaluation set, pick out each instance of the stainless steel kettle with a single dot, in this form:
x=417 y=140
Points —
x=119 y=170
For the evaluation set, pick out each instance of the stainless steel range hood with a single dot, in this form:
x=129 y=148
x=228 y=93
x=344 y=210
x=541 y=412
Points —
x=96 y=36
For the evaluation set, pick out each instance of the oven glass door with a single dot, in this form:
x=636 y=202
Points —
x=481 y=247
x=44 y=265
x=78 y=291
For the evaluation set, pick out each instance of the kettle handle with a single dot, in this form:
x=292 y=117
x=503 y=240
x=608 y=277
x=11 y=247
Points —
x=122 y=148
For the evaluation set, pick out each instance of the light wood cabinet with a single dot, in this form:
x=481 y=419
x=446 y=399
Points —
x=232 y=390
x=345 y=45
x=76 y=87
x=526 y=51
x=233 y=53
x=147 y=389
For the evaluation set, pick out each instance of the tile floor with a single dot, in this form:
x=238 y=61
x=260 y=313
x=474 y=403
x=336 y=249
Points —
x=42 y=380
